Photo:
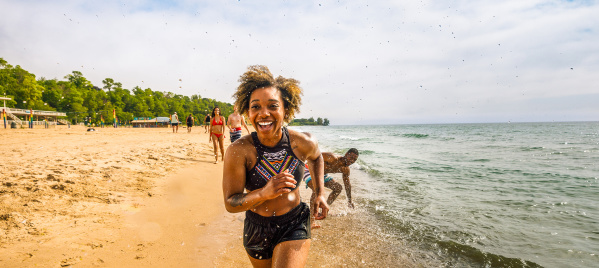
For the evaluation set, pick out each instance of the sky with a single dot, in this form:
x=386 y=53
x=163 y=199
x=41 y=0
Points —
x=359 y=62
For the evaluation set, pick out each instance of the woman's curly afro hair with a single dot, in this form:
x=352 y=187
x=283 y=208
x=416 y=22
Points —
x=258 y=76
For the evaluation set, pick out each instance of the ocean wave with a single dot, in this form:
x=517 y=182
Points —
x=367 y=152
x=351 y=138
x=481 y=258
x=415 y=135
x=410 y=135
x=368 y=170
x=436 y=243
x=534 y=148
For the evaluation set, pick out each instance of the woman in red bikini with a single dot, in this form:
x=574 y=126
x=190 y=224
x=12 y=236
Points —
x=217 y=133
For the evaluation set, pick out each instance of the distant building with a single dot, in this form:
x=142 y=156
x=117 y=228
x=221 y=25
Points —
x=150 y=122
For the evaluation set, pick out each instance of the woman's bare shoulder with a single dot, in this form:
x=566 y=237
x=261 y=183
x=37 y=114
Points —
x=243 y=148
x=302 y=137
x=243 y=143
x=303 y=143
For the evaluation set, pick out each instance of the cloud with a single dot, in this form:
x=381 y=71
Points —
x=358 y=62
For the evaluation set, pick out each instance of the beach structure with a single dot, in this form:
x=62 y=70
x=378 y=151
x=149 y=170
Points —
x=29 y=117
x=143 y=122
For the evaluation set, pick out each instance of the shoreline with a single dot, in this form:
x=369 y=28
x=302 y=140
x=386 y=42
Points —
x=143 y=197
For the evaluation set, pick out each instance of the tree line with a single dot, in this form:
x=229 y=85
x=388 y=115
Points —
x=309 y=122
x=79 y=98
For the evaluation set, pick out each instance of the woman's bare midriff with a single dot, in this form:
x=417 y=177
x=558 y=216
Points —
x=279 y=205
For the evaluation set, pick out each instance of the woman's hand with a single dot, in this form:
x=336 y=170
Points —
x=280 y=184
x=321 y=208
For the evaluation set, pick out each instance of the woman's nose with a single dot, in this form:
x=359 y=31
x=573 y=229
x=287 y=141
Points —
x=264 y=112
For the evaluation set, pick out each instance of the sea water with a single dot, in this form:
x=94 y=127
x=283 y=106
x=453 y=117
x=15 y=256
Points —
x=465 y=195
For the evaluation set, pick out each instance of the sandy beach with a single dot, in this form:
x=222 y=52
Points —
x=144 y=197
x=113 y=198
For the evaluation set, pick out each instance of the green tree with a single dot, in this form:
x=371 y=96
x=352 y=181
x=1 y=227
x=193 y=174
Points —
x=108 y=83
x=52 y=93
x=79 y=98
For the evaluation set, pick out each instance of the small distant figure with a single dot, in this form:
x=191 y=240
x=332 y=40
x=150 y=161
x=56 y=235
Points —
x=175 y=122
x=190 y=120
x=334 y=164
x=217 y=133
x=234 y=123
x=207 y=123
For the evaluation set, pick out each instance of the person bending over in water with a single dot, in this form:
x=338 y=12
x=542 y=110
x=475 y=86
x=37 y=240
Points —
x=335 y=164
x=262 y=171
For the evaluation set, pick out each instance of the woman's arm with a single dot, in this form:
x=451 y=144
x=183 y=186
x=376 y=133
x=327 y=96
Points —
x=223 y=118
x=244 y=124
x=316 y=165
x=210 y=131
x=308 y=146
x=229 y=123
x=234 y=177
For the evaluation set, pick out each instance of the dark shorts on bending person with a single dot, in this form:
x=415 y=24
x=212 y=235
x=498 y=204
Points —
x=189 y=125
x=262 y=234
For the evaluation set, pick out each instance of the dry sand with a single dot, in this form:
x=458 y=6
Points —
x=113 y=198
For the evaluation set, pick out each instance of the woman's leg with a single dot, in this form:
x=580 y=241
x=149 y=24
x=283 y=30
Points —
x=291 y=253
x=214 y=138
x=312 y=197
x=260 y=263
x=221 y=142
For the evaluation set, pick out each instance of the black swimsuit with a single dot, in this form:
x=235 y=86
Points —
x=263 y=234
x=272 y=161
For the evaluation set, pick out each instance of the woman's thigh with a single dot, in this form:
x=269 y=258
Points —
x=291 y=253
x=214 y=141
x=260 y=263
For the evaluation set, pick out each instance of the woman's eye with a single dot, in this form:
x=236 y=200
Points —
x=254 y=107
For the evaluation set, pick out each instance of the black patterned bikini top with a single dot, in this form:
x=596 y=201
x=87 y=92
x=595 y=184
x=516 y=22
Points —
x=272 y=161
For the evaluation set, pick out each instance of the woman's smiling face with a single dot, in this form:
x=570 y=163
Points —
x=267 y=111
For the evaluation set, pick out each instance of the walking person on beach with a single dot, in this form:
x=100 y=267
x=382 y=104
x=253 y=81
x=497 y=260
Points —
x=234 y=123
x=335 y=164
x=175 y=122
x=190 y=120
x=207 y=123
x=217 y=133
x=263 y=170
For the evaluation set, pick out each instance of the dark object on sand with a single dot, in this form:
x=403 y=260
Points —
x=91 y=129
